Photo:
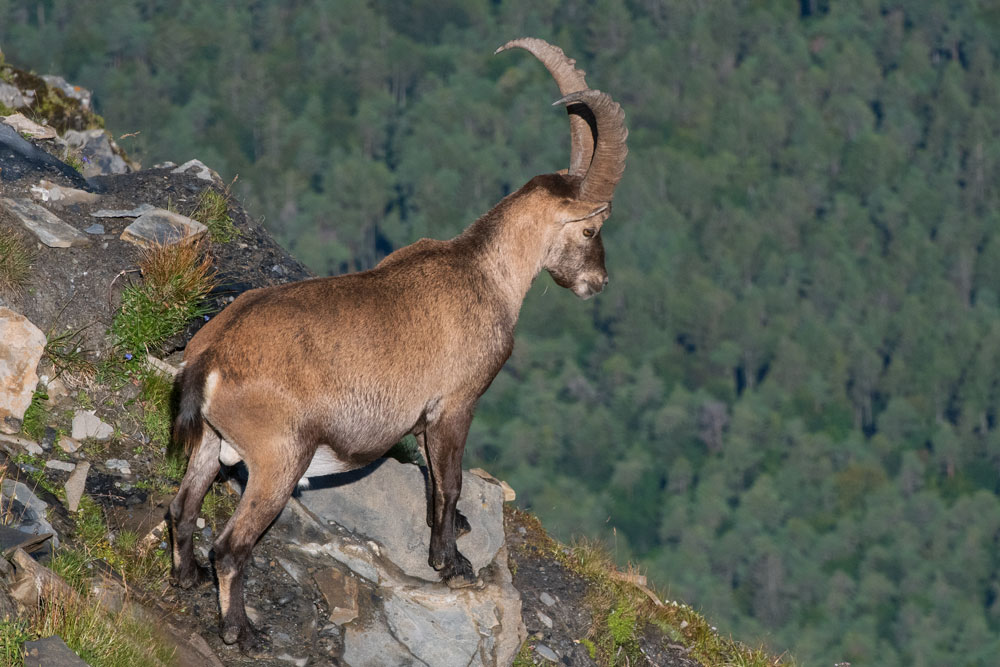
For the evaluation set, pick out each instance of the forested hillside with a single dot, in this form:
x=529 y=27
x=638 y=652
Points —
x=785 y=403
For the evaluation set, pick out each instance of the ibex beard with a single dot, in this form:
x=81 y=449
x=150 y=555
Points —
x=325 y=375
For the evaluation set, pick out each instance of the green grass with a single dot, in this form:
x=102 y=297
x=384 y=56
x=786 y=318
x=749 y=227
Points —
x=213 y=211
x=175 y=281
x=100 y=638
x=36 y=416
x=154 y=397
x=15 y=262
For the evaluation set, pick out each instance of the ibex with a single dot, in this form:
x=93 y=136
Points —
x=325 y=375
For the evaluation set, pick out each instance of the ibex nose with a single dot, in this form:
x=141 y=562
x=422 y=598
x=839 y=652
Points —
x=606 y=281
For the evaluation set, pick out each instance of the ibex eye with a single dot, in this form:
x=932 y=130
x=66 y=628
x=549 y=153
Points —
x=588 y=232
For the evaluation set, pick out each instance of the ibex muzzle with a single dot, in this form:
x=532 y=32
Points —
x=325 y=375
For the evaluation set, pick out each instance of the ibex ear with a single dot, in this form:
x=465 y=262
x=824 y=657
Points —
x=574 y=210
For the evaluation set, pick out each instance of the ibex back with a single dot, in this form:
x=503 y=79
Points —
x=325 y=375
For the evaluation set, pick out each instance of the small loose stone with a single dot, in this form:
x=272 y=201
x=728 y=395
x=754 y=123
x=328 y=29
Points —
x=96 y=228
x=68 y=444
x=546 y=621
x=200 y=522
x=546 y=652
x=60 y=465
x=547 y=599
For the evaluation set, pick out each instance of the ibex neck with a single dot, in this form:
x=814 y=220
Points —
x=510 y=251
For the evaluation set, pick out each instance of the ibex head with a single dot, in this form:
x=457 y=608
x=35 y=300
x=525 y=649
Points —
x=581 y=196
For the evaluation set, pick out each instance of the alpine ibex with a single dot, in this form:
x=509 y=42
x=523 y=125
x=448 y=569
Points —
x=325 y=375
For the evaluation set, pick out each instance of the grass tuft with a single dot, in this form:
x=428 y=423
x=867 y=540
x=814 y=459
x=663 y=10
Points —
x=212 y=211
x=67 y=355
x=176 y=279
x=15 y=263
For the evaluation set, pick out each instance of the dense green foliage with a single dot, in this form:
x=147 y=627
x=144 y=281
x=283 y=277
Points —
x=785 y=404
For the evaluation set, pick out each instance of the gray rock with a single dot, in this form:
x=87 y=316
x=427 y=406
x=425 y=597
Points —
x=409 y=623
x=386 y=502
x=98 y=151
x=50 y=652
x=29 y=446
x=197 y=168
x=11 y=96
x=547 y=599
x=75 y=486
x=21 y=347
x=82 y=95
x=28 y=127
x=433 y=628
x=62 y=195
x=86 y=424
x=546 y=621
x=374 y=646
x=546 y=652
x=27 y=509
x=121 y=213
x=56 y=464
x=119 y=465
x=95 y=228
x=49 y=229
x=294 y=570
x=162 y=227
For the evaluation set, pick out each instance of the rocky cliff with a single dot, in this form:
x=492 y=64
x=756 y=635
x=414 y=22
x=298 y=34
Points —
x=86 y=359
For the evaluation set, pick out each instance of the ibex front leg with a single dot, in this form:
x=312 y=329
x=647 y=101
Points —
x=462 y=526
x=445 y=444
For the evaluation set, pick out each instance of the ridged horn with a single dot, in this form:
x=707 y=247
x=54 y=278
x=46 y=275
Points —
x=570 y=80
x=608 y=165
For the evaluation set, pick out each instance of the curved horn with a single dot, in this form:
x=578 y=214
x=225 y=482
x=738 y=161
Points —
x=570 y=80
x=608 y=165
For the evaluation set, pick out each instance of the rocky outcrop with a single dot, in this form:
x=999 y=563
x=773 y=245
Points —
x=372 y=523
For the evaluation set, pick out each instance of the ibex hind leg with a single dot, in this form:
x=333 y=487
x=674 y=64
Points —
x=203 y=466
x=268 y=489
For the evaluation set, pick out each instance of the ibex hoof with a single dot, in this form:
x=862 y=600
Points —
x=250 y=641
x=189 y=577
x=459 y=574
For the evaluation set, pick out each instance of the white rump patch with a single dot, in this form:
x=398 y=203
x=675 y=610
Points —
x=228 y=455
x=210 y=383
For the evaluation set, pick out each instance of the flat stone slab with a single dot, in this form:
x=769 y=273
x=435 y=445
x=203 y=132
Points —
x=56 y=464
x=161 y=227
x=75 y=486
x=122 y=213
x=50 y=652
x=386 y=502
x=25 y=125
x=21 y=347
x=62 y=195
x=86 y=424
x=49 y=229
